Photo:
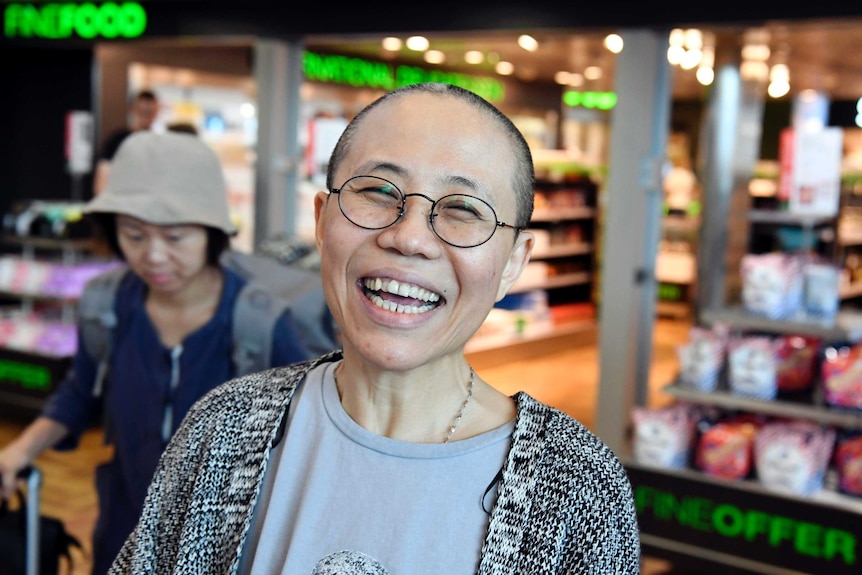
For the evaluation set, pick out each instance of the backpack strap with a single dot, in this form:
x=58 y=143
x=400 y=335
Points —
x=97 y=319
x=254 y=317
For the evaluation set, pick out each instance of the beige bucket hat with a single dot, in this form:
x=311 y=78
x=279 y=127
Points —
x=166 y=179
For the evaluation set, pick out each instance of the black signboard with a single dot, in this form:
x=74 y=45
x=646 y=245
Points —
x=804 y=535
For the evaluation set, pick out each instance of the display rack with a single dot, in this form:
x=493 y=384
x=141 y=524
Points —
x=740 y=526
x=27 y=378
x=562 y=266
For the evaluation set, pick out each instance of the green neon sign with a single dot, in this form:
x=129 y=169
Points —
x=751 y=525
x=85 y=20
x=26 y=375
x=597 y=100
x=357 y=72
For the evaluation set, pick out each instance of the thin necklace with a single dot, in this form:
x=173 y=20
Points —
x=460 y=413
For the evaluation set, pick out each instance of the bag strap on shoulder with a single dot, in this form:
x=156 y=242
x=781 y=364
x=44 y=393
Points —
x=255 y=314
x=97 y=319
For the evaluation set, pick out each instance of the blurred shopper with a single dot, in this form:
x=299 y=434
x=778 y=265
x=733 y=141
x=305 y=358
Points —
x=166 y=205
x=393 y=455
x=143 y=112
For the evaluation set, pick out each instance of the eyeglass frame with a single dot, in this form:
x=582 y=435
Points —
x=403 y=208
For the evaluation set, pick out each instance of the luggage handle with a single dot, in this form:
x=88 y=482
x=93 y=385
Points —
x=33 y=477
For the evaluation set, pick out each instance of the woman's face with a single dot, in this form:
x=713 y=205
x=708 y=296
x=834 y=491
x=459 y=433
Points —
x=167 y=258
x=431 y=145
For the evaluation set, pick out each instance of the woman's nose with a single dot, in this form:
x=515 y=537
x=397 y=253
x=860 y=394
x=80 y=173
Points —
x=412 y=233
x=156 y=249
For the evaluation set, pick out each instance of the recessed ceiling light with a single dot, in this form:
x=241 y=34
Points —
x=504 y=68
x=474 y=57
x=434 y=57
x=528 y=43
x=592 y=72
x=614 y=43
x=392 y=44
x=418 y=43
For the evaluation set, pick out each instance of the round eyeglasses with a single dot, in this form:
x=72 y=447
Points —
x=460 y=220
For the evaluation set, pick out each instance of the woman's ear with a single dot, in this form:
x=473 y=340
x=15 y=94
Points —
x=515 y=264
x=320 y=199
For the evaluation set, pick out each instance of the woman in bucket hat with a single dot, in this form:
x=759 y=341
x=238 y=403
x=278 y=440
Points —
x=166 y=214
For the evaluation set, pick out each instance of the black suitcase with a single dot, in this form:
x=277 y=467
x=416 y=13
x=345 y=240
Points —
x=32 y=544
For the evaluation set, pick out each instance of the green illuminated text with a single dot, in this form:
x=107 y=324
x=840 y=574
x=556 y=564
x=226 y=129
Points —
x=26 y=375
x=597 y=100
x=86 y=20
x=363 y=73
x=752 y=525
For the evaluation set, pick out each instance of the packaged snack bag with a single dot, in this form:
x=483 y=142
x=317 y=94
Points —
x=848 y=464
x=822 y=279
x=752 y=367
x=664 y=437
x=772 y=285
x=797 y=361
x=702 y=358
x=792 y=456
x=841 y=373
x=725 y=449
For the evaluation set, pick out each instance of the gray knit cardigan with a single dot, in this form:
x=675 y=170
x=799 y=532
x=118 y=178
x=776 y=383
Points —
x=564 y=503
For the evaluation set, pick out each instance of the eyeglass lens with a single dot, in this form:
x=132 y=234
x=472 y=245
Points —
x=373 y=203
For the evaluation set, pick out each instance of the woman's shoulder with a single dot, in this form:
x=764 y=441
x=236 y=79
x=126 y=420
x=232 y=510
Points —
x=563 y=440
x=261 y=390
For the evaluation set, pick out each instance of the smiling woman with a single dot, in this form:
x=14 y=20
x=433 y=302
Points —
x=274 y=471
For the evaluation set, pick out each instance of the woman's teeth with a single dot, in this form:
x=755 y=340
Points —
x=402 y=290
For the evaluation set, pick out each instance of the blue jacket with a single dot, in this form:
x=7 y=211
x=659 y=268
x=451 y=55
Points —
x=140 y=408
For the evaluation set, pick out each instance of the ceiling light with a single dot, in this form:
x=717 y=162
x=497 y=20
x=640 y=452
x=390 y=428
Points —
x=705 y=75
x=504 y=68
x=755 y=52
x=434 y=57
x=473 y=57
x=592 y=72
x=528 y=43
x=779 y=73
x=690 y=59
x=777 y=89
x=752 y=70
x=693 y=38
x=614 y=43
x=676 y=37
x=391 y=44
x=675 y=54
x=418 y=43
x=562 y=77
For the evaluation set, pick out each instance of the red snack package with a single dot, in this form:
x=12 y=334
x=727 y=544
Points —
x=848 y=462
x=797 y=362
x=726 y=449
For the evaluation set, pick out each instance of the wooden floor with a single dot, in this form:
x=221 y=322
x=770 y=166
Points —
x=566 y=379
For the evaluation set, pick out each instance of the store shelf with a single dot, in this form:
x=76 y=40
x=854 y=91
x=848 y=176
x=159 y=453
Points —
x=558 y=281
x=781 y=408
x=788 y=218
x=57 y=244
x=563 y=250
x=33 y=296
x=535 y=341
x=846 y=327
x=560 y=214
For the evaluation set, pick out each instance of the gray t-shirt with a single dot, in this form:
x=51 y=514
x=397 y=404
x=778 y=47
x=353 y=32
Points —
x=339 y=499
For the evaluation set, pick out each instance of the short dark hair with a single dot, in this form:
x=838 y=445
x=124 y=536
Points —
x=146 y=95
x=106 y=223
x=524 y=174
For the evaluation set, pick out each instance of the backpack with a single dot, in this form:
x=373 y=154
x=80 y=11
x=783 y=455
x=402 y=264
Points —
x=270 y=289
